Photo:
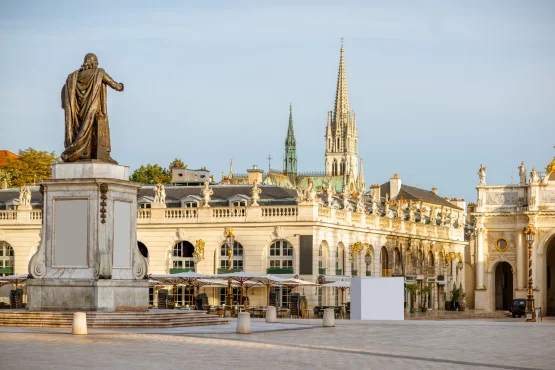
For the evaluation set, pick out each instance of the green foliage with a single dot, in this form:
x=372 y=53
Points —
x=151 y=174
x=31 y=166
x=411 y=288
x=177 y=162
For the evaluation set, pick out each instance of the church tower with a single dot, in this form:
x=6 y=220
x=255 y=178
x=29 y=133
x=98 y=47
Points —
x=290 y=159
x=341 y=132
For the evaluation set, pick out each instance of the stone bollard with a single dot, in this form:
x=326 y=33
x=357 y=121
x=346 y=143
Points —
x=244 y=323
x=79 y=326
x=271 y=315
x=329 y=317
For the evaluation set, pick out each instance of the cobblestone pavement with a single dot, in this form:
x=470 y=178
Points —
x=460 y=344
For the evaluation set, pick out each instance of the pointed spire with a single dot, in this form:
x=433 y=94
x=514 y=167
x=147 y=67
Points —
x=360 y=180
x=342 y=110
x=290 y=132
x=290 y=159
x=230 y=176
x=328 y=126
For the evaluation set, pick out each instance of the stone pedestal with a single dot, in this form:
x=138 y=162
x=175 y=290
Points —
x=88 y=258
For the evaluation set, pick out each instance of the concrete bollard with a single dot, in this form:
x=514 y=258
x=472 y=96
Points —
x=244 y=323
x=271 y=314
x=329 y=317
x=79 y=326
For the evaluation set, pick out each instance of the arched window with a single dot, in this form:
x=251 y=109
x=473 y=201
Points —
x=334 y=168
x=329 y=144
x=6 y=259
x=337 y=149
x=237 y=260
x=143 y=249
x=182 y=257
x=281 y=258
x=339 y=259
x=385 y=262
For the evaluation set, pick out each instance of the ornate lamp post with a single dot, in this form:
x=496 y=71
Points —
x=229 y=242
x=530 y=233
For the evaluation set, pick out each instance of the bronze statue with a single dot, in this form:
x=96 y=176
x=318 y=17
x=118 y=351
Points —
x=87 y=134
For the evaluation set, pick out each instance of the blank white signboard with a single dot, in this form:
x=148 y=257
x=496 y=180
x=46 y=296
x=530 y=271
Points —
x=376 y=298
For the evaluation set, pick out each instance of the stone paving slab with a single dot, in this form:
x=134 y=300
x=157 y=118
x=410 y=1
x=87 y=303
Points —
x=460 y=344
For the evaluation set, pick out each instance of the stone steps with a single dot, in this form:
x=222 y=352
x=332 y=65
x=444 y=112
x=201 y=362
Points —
x=150 y=319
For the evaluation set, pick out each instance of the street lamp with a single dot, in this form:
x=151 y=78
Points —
x=530 y=233
x=368 y=260
x=229 y=241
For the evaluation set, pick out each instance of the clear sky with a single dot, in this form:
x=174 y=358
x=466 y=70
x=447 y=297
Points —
x=438 y=86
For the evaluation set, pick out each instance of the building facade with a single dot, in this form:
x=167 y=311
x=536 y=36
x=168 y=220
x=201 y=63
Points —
x=320 y=227
x=499 y=250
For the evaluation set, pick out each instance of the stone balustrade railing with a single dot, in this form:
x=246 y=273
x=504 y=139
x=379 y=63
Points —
x=8 y=215
x=308 y=212
x=279 y=211
x=143 y=213
x=229 y=212
x=180 y=213
x=35 y=215
x=324 y=212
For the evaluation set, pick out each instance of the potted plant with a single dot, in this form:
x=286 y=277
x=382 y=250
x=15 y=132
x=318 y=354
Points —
x=462 y=298
x=424 y=304
x=455 y=294
x=412 y=288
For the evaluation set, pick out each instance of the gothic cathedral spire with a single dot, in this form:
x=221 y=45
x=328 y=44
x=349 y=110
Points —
x=341 y=131
x=290 y=159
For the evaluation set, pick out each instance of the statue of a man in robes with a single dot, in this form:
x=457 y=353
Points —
x=87 y=134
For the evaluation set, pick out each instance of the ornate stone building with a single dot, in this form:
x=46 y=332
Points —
x=317 y=226
x=498 y=249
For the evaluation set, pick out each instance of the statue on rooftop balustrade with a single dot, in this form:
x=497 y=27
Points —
x=87 y=134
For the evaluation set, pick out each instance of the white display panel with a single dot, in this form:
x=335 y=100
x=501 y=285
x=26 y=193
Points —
x=122 y=235
x=71 y=238
x=377 y=298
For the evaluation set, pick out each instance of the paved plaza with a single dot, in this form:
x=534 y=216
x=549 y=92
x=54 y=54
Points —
x=290 y=344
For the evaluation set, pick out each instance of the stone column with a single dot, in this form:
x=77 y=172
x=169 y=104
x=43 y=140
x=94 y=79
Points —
x=521 y=261
x=480 y=258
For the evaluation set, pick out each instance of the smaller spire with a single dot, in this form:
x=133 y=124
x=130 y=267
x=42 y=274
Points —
x=360 y=180
x=230 y=176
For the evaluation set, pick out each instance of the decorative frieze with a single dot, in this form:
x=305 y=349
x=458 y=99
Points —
x=508 y=198
x=548 y=196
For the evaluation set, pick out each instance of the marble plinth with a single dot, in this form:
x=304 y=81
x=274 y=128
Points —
x=87 y=295
x=89 y=170
x=88 y=258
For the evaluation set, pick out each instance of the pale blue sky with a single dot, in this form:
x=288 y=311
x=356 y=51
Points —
x=438 y=86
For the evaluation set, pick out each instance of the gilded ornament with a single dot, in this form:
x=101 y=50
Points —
x=501 y=244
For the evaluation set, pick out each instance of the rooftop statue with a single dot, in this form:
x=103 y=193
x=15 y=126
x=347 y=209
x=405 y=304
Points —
x=87 y=134
x=522 y=173
x=482 y=174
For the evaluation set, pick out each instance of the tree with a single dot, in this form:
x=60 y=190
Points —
x=177 y=162
x=31 y=166
x=151 y=174
x=412 y=288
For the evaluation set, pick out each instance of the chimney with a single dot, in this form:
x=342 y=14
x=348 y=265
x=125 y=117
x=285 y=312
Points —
x=434 y=190
x=394 y=186
x=375 y=192
x=458 y=203
x=254 y=174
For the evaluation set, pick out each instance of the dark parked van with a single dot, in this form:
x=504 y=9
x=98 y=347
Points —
x=518 y=308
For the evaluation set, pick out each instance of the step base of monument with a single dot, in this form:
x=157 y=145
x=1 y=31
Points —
x=150 y=319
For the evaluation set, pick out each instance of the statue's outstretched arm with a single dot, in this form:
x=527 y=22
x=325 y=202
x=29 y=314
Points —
x=110 y=82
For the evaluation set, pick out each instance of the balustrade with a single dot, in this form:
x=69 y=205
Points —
x=229 y=212
x=8 y=215
x=279 y=211
x=324 y=212
x=36 y=214
x=143 y=213
x=181 y=213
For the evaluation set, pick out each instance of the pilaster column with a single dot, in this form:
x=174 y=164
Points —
x=480 y=258
x=521 y=260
